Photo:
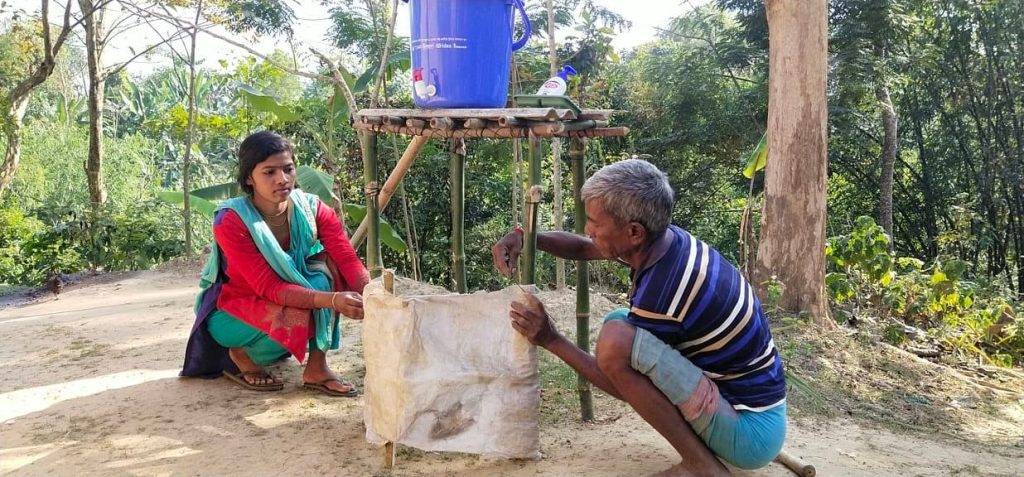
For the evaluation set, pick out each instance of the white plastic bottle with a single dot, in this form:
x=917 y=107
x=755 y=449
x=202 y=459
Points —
x=555 y=86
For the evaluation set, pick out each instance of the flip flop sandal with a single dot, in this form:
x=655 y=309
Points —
x=239 y=378
x=322 y=387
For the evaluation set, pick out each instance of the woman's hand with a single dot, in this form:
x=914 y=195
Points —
x=505 y=253
x=531 y=320
x=348 y=303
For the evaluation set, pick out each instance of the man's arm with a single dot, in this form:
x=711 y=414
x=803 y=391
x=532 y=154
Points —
x=505 y=253
x=568 y=246
x=531 y=320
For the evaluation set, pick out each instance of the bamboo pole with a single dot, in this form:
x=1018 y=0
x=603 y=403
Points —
x=475 y=123
x=577 y=155
x=408 y=157
x=529 y=255
x=442 y=123
x=509 y=121
x=457 y=171
x=369 y=146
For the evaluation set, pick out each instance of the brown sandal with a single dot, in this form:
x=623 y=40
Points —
x=239 y=378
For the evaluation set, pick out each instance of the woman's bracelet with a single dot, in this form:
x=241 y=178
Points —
x=333 y=296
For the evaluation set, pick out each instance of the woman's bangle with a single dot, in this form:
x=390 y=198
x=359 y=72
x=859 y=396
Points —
x=333 y=296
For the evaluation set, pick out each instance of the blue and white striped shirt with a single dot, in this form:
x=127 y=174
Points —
x=699 y=303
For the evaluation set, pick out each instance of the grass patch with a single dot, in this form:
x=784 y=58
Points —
x=6 y=289
x=558 y=389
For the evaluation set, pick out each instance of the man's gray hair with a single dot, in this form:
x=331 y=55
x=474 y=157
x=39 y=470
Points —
x=633 y=191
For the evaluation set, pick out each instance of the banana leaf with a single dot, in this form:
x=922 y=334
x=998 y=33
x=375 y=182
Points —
x=201 y=205
x=266 y=103
x=758 y=158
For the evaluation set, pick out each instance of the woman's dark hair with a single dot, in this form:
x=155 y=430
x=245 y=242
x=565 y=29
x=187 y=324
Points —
x=257 y=148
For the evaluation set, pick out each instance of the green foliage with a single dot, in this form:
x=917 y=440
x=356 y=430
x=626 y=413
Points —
x=263 y=17
x=940 y=298
x=15 y=230
x=265 y=103
x=52 y=171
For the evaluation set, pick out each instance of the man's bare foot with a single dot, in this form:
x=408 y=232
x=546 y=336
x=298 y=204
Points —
x=253 y=373
x=683 y=470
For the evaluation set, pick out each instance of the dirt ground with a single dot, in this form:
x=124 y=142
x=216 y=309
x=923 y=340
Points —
x=89 y=387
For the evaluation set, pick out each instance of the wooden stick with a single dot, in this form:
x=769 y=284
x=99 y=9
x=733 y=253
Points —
x=389 y=281
x=793 y=463
x=389 y=447
x=389 y=455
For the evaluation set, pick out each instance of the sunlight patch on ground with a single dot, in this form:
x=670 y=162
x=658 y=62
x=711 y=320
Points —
x=153 y=448
x=26 y=401
x=289 y=411
x=18 y=457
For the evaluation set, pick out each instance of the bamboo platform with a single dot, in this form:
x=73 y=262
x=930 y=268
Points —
x=502 y=123
x=456 y=125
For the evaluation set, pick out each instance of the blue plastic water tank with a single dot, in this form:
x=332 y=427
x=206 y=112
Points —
x=461 y=51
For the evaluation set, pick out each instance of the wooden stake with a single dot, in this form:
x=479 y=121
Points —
x=389 y=447
x=389 y=455
x=798 y=466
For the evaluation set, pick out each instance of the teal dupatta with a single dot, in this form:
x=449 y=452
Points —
x=293 y=265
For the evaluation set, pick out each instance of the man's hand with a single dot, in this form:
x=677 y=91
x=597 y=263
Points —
x=505 y=253
x=531 y=320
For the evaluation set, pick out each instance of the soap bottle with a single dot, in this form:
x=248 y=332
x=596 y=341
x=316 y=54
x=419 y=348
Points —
x=555 y=86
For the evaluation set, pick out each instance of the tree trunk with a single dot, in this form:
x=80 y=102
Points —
x=556 y=153
x=15 y=103
x=792 y=248
x=94 y=37
x=12 y=132
x=186 y=175
x=889 y=121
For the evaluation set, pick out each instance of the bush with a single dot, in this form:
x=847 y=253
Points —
x=15 y=230
x=969 y=317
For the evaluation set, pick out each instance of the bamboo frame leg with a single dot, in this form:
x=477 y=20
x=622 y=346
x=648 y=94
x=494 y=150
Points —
x=369 y=146
x=389 y=447
x=408 y=157
x=529 y=255
x=457 y=171
x=577 y=155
